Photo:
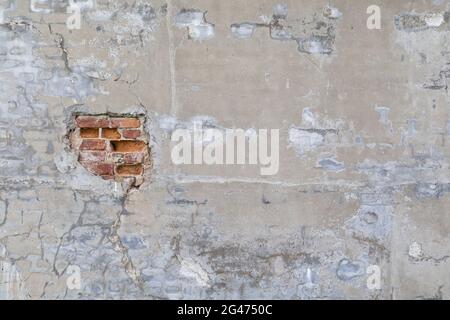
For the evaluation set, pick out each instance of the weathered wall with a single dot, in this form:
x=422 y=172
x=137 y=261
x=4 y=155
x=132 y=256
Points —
x=364 y=157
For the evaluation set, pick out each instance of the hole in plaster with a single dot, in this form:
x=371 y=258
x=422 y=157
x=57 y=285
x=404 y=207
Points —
x=114 y=147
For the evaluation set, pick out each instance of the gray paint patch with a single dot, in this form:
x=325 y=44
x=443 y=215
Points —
x=414 y=22
x=330 y=164
x=316 y=37
x=194 y=20
x=243 y=30
x=347 y=270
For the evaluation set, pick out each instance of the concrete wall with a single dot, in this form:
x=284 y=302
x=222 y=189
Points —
x=363 y=182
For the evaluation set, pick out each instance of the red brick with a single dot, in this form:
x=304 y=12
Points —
x=127 y=145
x=91 y=122
x=128 y=158
x=125 y=123
x=92 y=156
x=89 y=132
x=129 y=170
x=110 y=133
x=93 y=144
x=100 y=169
x=131 y=134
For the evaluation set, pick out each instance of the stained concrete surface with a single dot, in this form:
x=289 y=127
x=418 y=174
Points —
x=364 y=173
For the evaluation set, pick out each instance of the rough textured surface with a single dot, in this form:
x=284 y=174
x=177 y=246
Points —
x=364 y=163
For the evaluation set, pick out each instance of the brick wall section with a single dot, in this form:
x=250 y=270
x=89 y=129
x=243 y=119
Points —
x=111 y=147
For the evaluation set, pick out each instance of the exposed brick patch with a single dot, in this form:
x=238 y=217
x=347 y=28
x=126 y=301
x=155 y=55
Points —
x=111 y=147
